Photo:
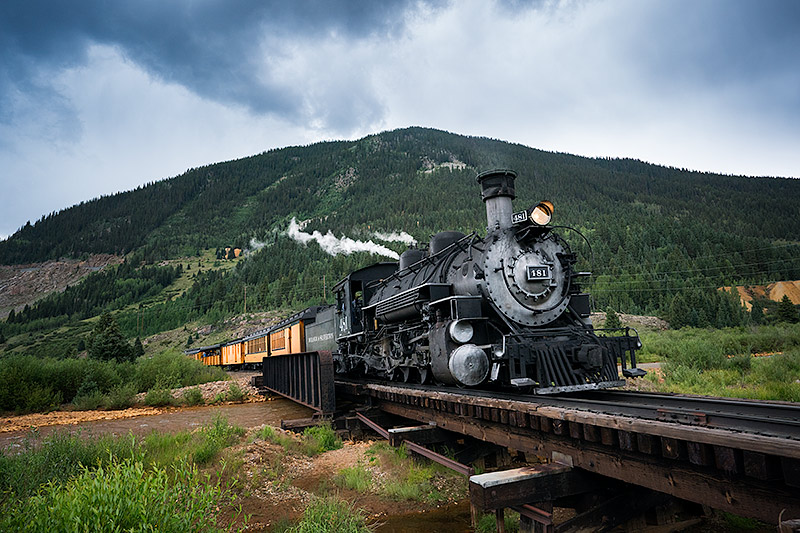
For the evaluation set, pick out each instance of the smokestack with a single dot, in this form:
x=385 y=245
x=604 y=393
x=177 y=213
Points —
x=497 y=190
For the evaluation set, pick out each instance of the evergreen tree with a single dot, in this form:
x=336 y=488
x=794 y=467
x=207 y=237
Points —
x=757 y=314
x=612 y=319
x=680 y=313
x=106 y=341
x=2 y=338
x=787 y=312
x=138 y=349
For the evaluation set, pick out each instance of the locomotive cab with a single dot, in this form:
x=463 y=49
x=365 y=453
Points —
x=352 y=292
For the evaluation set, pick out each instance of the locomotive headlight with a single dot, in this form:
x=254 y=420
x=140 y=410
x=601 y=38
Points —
x=542 y=213
x=461 y=331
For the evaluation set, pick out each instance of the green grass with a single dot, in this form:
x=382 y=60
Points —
x=355 y=478
x=61 y=456
x=410 y=478
x=331 y=515
x=122 y=496
x=488 y=523
x=720 y=362
x=314 y=440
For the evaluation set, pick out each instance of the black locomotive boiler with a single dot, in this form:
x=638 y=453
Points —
x=505 y=310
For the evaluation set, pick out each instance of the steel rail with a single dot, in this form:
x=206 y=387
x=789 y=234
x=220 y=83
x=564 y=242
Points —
x=776 y=419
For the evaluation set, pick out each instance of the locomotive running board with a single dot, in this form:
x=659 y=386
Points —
x=305 y=378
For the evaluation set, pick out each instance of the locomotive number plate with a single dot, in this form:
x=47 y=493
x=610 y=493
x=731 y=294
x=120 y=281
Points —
x=538 y=272
x=519 y=217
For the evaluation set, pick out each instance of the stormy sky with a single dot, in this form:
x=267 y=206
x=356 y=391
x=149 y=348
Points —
x=100 y=96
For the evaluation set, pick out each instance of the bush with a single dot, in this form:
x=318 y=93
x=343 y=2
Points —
x=89 y=401
x=219 y=398
x=159 y=396
x=174 y=369
x=193 y=396
x=235 y=393
x=121 y=396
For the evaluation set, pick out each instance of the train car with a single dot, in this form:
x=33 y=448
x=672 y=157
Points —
x=233 y=353
x=256 y=348
x=309 y=330
x=208 y=355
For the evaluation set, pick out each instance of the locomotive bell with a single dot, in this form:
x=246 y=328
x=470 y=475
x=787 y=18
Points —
x=497 y=191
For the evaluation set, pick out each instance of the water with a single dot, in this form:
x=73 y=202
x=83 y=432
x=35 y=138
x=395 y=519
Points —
x=453 y=518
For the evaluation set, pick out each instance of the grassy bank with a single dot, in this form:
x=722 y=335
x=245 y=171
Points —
x=759 y=362
x=70 y=483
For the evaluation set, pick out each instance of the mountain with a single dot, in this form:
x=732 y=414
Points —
x=655 y=232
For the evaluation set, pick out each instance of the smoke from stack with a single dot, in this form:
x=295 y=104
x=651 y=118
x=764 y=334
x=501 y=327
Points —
x=403 y=237
x=334 y=245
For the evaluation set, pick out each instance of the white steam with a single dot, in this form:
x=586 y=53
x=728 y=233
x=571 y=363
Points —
x=403 y=237
x=334 y=245
x=255 y=245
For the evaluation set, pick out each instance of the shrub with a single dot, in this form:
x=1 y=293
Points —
x=159 y=397
x=121 y=396
x=89 y=401
x=193 y=396
x=219 y=398
x=235 y=393
x=174 y=369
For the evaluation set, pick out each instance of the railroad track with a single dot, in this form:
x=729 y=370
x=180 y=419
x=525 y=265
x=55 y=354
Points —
x=741 y=456
x=776 y=419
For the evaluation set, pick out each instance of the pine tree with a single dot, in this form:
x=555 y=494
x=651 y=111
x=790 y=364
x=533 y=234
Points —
x=787 y=312
x=612 y=319
x=106 y=341
x=138 y=349
x=757 y=314
x=680 y=313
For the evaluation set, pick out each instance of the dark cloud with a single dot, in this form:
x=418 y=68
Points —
x=722 y=44
x=212 y=48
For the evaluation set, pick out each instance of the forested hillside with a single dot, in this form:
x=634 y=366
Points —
x=662 y=239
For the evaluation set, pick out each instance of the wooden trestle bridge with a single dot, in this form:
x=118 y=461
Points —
x=610 y=455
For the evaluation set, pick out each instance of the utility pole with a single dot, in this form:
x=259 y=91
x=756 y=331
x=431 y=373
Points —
x=245 y=299
x=324 y=290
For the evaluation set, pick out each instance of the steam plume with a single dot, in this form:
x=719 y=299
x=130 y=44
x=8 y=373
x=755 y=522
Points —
x=403 y=237
x=334 y=245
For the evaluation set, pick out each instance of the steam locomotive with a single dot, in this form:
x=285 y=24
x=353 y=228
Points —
x=501 y=311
